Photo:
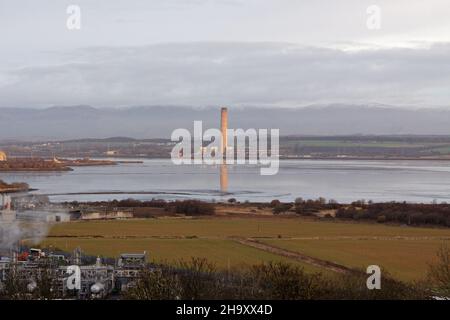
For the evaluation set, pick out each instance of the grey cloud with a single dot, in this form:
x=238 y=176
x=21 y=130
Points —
x=265 y=74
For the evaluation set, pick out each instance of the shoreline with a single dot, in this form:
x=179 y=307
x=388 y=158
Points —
x=366 y=158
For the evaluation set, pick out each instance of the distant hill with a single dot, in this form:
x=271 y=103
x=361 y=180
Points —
x=80 y=122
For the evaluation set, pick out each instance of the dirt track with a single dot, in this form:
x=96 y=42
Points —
x=296 y=256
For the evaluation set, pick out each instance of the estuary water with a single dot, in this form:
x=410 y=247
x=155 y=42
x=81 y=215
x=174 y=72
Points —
x=341 y=180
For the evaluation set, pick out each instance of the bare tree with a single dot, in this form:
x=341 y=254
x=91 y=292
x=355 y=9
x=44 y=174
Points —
x=439 y=273
x=155 y=285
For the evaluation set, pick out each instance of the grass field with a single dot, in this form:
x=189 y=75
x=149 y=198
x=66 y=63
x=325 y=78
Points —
x=224 y=253
x=404 y=251
x=239 y=227
x=404 y=259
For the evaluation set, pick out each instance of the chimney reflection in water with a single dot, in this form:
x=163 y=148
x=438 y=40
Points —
x=223 y=178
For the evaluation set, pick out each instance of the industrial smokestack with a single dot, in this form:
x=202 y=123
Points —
x=223 y=148
x=223 y=129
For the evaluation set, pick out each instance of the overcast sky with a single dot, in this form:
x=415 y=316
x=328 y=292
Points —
x=215 y=52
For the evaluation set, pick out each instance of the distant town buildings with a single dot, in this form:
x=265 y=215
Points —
x=112 y=153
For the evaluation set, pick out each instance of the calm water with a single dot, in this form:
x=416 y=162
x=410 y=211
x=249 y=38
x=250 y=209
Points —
x=342 y=180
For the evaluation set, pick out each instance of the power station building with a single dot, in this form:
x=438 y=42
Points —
x=98 y=280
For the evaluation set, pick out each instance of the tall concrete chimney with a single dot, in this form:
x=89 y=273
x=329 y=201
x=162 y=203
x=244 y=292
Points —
x=223 y=129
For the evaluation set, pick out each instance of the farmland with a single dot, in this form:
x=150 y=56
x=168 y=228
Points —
x=224 y=253
x=403 y=251
x=403 y=259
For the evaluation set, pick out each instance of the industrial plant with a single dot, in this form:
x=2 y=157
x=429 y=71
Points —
x=30 y=268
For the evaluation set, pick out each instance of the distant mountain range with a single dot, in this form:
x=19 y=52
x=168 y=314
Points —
x=79 y=122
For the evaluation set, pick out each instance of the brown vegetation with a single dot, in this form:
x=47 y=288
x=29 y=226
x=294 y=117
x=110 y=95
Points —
x=418 y=214
x=16 y=186
x=198 y=279
x=31 y=164
x=186 y=207
x=439 y=274
x=398 y=212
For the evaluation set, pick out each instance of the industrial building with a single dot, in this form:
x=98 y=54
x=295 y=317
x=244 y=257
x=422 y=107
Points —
x=5 y=201
x=98 y=280
x=6 y=214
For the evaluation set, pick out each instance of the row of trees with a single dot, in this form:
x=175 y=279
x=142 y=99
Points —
x=437 y=214
x=394 y=212
x=304 y=207
x=276 y=280
x=406 y=213
x=187 y=207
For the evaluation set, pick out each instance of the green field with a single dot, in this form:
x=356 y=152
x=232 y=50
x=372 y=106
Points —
x=224 y=253
x=221 y=227
x=404 y=251
x=404 y=259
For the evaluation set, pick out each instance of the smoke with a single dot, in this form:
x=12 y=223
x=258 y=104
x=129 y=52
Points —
x=32 y=226
x=13 y=232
